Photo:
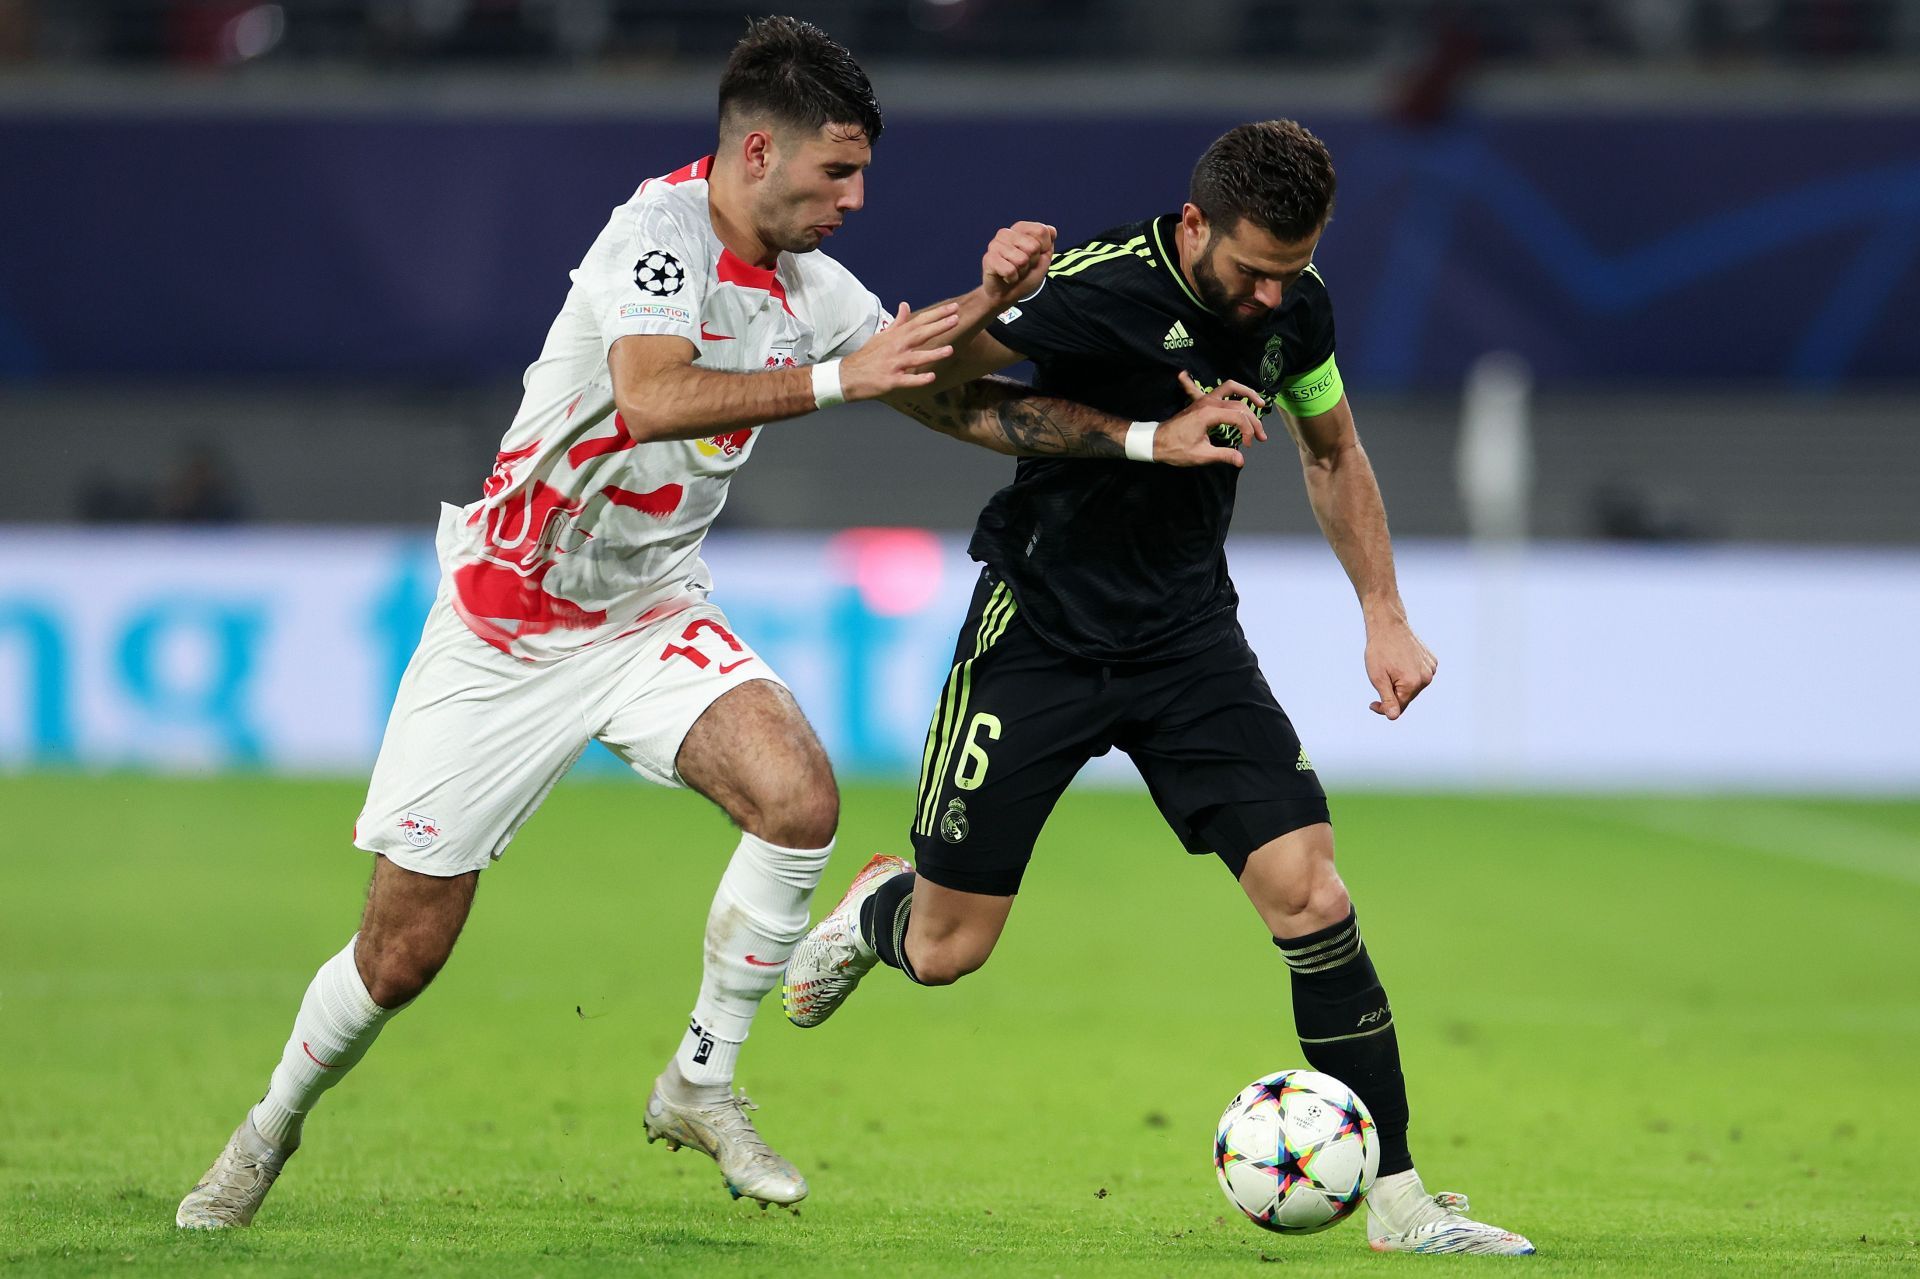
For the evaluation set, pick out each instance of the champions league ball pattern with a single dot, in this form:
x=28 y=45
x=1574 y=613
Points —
x=1295 y=1151
x=659 y=273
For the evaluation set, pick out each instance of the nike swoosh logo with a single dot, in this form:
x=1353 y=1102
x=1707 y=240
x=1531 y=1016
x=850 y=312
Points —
x=766 y=963
x=324 y=1065
x=731 y=667
x=713 y=337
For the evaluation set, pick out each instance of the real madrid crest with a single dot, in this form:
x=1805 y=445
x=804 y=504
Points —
x=953 y=822
x=1270 y=366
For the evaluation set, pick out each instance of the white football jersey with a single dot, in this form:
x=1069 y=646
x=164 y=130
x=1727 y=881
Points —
x=583 y=534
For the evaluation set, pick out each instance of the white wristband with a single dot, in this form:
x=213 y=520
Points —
x=1140 y=441
x=826 y=385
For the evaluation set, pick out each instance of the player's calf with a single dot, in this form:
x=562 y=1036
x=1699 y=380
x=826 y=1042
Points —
x=942 y=933
x=759 y=912
x=753 y=753
x=408 y=930
x=943 y=968
x=950 y=935
x=1345 y=1024
x=336 y=1025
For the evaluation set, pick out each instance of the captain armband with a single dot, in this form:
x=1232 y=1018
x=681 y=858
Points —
x=1314 y=392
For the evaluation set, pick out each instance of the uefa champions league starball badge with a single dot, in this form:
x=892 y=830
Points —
x=659 y=273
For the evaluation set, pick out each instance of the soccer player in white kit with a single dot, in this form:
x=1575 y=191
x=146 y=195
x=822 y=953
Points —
x=574 y=605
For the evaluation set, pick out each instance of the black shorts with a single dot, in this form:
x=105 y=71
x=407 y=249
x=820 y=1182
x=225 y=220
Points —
x=1018 y=718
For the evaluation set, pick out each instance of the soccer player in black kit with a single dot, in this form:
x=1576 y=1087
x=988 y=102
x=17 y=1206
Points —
x=1104 y=617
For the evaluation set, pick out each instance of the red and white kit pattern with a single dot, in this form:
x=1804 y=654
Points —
x=582 y=535
x=477 y=738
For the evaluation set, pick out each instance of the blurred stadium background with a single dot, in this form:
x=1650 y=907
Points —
x=1629 y=310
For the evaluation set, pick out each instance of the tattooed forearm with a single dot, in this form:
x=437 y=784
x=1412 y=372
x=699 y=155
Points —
x=1033 y=431
x=941 y=410
x=1009 y=418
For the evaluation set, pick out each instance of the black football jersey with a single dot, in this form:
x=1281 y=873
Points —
x=1122 y=561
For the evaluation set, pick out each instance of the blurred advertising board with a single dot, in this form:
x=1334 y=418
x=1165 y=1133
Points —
x=1571 y=666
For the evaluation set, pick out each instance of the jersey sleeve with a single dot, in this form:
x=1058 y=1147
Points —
x=647 y=277
x=852 y=316
x=1057 y=320
x=1311 y=385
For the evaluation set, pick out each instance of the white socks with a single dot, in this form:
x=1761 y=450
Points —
x=759 y=914
x=337 y=1023
x=1400 y=1201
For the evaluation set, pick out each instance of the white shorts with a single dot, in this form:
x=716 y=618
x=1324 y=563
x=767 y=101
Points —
x=477 y=738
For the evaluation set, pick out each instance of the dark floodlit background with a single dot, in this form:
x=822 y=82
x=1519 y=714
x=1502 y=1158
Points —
x=1629 y=312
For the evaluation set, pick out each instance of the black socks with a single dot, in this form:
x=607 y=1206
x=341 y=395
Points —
x=1346 y=1028
x=883 y=922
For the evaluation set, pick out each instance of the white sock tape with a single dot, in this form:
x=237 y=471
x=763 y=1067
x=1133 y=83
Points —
x=1140 y=441
x=826 y=385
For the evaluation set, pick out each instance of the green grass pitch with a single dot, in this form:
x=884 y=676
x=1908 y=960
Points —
x=1659 y=1036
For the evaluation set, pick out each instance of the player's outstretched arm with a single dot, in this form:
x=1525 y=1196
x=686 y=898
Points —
x=1009 y=417
x=1002 y=415
x=1346 y=501
x=1013 y=267
x=663 y=395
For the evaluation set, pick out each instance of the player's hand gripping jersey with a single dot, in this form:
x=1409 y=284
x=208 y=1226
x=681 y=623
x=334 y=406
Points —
x=1113 y=560
x=583 y=534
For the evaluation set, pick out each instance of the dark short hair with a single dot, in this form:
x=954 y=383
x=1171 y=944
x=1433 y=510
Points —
x=795 y=74
x=1274 y=172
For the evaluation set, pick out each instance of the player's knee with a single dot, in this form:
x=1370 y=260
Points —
x=798 y=808
x=1312 y=898
x=1312 y=901
x=1294 y=884
x=947 y=962
x=1327 y=902
x=815 y=814
x=392 y=985
x=396 y=970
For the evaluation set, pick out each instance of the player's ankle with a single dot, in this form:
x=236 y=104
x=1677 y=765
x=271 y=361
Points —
x=277 y=1126
x=1395 y=1196
x=1398 y=1183
x=682 y=1091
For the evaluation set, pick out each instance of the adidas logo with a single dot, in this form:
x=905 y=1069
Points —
x=1177 y=339
x=1303 y=764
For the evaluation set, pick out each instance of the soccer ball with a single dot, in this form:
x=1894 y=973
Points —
x=1295 y=1151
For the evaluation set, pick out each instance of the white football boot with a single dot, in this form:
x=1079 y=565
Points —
x=232 y=1190
x=1403 y=1217
x=721 y=1129
x=830 y=961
